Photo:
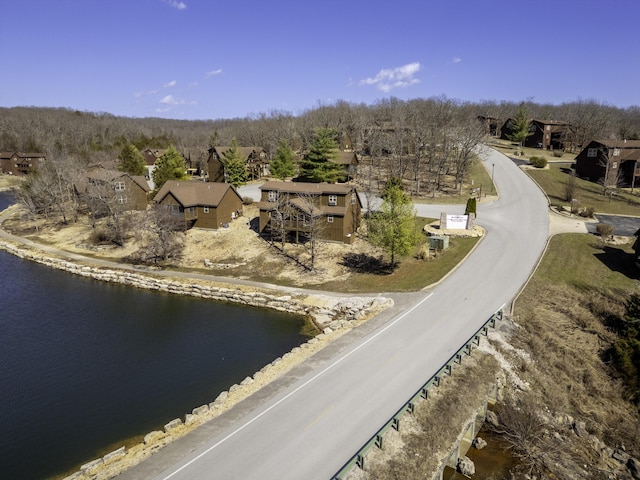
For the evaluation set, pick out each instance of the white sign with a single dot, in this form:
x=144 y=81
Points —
x=457 y=222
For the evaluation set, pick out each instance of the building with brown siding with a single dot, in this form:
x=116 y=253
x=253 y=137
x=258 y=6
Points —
x=337 y=206
x=255 y=159
x=614 y=163
x=19 y=163
x=131 y=191
x=202 y=205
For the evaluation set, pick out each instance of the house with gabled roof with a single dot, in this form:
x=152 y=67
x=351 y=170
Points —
x=201 y=204
x=545 y=134
x=131 y=191
x=614 y=163
x=337 y=206
x=349 y=161
x=20 y=163
x=255 y=159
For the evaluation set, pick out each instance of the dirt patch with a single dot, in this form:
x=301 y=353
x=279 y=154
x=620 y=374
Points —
x=238 y=251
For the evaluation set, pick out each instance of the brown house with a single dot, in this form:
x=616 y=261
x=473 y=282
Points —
x=336 y=205
x=18 y=163
x=611 y=162
x=131 y=191
x=349 y=160
x=255 y=159
x=545 y=134
x=151 y=155
x=202 y=205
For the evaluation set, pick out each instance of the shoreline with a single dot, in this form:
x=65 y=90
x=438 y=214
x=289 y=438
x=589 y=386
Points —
x=333 y=316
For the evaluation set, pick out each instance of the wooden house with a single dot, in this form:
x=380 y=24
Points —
x=349 y=161
x=336 y=206
x=255 y=159
x=545 y=134
x=19 y=163
x=130 y=191
x=201 y=204
x=614 y=163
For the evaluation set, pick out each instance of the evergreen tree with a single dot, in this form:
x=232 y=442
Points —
x=393 y=227
x=471 y=206
x=520 y=126
x=317 y=165
x=283 y=164
x=170 y=166
x=235 y=168
x=131 y=161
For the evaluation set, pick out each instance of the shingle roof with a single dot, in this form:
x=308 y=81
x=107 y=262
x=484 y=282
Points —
x=306 y=187
x=191 y=194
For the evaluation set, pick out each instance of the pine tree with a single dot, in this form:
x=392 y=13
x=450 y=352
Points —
x=317 y=165
x=283 y=164
x=170 y=166
x=131 y=161
x=235 y=168
x=520 y=126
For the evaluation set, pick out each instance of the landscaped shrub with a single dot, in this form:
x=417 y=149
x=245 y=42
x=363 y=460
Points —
x=538 y=162
x=558 y=153
x=605 y=230
x=247 y=200
x=587 y=212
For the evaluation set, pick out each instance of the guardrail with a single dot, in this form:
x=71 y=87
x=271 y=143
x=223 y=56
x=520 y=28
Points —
x=377 y=439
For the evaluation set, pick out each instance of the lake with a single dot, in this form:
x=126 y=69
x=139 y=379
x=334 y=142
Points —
x=86 y=365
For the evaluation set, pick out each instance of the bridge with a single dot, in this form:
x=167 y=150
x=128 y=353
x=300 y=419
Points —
x=310 y=422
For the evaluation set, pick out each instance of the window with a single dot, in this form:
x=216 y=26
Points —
x=616 y=152
x=121 y=199
x=547 y=127
x=273 y=195
x=592 y=152
x=330 y=219
x=333 y=200
x=205 y=209
x=119 y=186
x=614 y=165
x=353 y=198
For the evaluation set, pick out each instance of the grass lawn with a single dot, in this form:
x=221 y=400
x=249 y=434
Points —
x=553 y=181
x=582 y=261
x=412 y=274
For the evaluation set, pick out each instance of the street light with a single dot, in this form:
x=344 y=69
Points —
x=493 y=166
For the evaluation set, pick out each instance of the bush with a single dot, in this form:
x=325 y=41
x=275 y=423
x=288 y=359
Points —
x=247 y=200
x=587 y=212
x=538 y=162
x=605 y=230
x=558 y=153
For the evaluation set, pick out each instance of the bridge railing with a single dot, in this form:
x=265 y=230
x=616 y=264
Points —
x=377 y=439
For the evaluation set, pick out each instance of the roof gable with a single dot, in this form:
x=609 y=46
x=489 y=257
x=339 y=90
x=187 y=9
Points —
x=191 y=194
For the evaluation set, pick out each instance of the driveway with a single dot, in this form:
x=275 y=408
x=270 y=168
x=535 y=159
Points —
x=624 y=226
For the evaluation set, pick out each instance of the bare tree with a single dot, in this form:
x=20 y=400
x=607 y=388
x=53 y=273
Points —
x=160 y=235
x=314 y=224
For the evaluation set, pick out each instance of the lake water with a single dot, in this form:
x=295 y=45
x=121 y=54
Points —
x=85 y=365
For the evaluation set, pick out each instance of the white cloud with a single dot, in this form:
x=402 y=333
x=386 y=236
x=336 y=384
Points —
x=212 y=73
x=399 y=77
x=142 y=94
x=170 y=84
x=175 y=4
x=170 y=100
x=456 y=60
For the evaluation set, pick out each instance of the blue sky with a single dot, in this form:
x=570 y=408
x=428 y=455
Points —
x=210 y=59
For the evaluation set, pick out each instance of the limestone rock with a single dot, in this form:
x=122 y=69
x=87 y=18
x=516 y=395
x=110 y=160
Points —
x=621 y=456
x=492 y=418
x=479 y=443
x=581 y=429
x=465 y=466
x=172 y=425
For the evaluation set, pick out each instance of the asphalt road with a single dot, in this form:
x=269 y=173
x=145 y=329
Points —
x=310 y=422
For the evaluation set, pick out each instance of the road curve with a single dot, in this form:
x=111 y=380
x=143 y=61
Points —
x=310 y=422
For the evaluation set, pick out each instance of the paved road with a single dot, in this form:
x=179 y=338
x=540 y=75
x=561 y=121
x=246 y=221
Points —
x=309 y=423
